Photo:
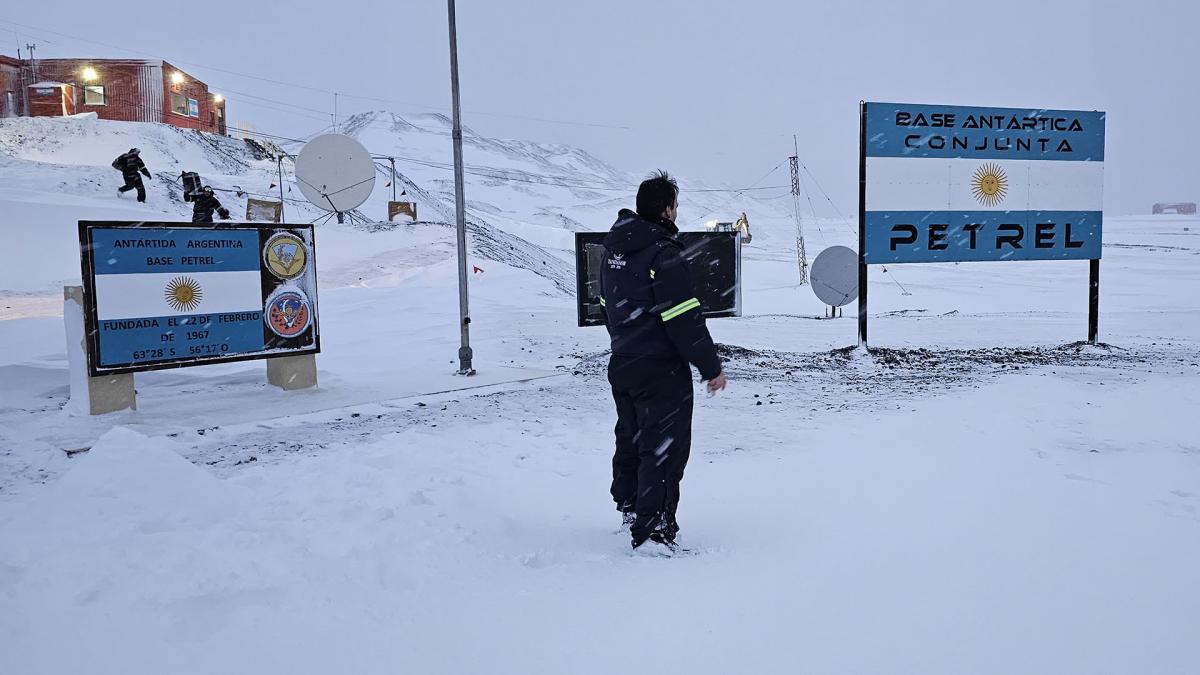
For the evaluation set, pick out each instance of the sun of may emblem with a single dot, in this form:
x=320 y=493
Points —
x=183 y=294
x=989 y=184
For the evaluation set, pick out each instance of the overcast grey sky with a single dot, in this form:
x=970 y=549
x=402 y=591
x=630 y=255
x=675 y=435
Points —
x=712 y=90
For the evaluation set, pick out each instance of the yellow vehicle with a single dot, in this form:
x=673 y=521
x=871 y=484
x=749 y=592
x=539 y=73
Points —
x=741 y=225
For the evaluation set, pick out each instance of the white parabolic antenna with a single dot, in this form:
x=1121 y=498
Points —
x=834 y=276
x=335 y=172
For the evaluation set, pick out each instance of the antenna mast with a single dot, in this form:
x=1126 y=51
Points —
x=801 y=254
x=32 y=61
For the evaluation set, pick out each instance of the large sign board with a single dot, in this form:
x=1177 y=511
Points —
x=954 y=183
x=944 y=183
x=165 y=295
x=714 y=261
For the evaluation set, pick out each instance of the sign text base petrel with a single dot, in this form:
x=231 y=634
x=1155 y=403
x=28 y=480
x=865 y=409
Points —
x=166 y=295
x=965 y=184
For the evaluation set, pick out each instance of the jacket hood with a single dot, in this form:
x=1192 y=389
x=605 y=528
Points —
x=632 y=233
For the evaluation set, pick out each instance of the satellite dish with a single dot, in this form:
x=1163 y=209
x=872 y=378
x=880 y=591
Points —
x=834 y=276
x=335 y=172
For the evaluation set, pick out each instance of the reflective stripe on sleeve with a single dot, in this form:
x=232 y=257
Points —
x=689 y=304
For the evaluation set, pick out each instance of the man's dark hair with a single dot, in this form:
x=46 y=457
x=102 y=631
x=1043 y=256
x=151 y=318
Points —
x=656 y=194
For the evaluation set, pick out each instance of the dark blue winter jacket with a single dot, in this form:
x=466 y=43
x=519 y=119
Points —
x=648 y=297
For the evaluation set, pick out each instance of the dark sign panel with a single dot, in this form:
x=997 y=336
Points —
x=714 y=260
x=165 y=295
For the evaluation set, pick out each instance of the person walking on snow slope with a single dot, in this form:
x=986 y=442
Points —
x=203 y=205
x=130 y=165
x=658 y=332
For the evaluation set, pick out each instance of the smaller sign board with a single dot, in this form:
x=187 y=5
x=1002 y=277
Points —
x=166 y=295
x=714 y=261
x=402 y=212
x=263 y=210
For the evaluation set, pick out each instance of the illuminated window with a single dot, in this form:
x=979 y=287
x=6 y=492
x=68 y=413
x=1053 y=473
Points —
x=179 y=104
x=93 y=94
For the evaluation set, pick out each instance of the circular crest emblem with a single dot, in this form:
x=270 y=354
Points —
x=285 y=255
x=288 y=312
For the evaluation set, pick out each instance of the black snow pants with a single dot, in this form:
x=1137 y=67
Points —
x=134 y=181
x=654 y=438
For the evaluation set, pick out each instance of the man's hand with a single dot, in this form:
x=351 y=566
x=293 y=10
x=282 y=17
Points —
x=717 y=383
x=145 y=173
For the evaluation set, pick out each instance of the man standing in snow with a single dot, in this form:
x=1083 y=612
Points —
x=130 y=165
x=657 y=334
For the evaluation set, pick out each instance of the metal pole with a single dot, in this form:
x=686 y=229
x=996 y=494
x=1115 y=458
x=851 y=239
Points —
x=862 y=224
x=24 y=87
x=1094 y=301
x=282 y=217
x=393 y=161
x=465 y=354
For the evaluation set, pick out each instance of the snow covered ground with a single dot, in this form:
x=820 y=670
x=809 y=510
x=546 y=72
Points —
x=981 y=494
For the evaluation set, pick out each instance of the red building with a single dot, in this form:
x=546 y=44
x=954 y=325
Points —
x=132 y=90
x=11 y=85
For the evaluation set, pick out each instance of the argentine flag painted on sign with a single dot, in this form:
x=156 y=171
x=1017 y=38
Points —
x=951 y=183
x=165 y=293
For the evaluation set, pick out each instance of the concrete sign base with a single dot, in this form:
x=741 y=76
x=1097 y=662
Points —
x=293 y=372
x=90 y=395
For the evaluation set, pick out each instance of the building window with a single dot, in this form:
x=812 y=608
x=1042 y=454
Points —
x=179 y=104
x=93 y=94
x=193 y=107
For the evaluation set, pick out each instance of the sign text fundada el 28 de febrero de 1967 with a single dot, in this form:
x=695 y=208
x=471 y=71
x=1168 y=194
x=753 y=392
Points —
x=954 y=183
x=164 y=295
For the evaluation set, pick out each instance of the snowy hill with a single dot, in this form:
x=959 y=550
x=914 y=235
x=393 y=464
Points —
x=538 y=191
x=52 y=158
x=524 y=199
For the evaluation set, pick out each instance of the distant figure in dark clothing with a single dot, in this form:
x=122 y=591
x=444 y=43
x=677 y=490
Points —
x=130 y=165
x=203 y=205
x=658 y=333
